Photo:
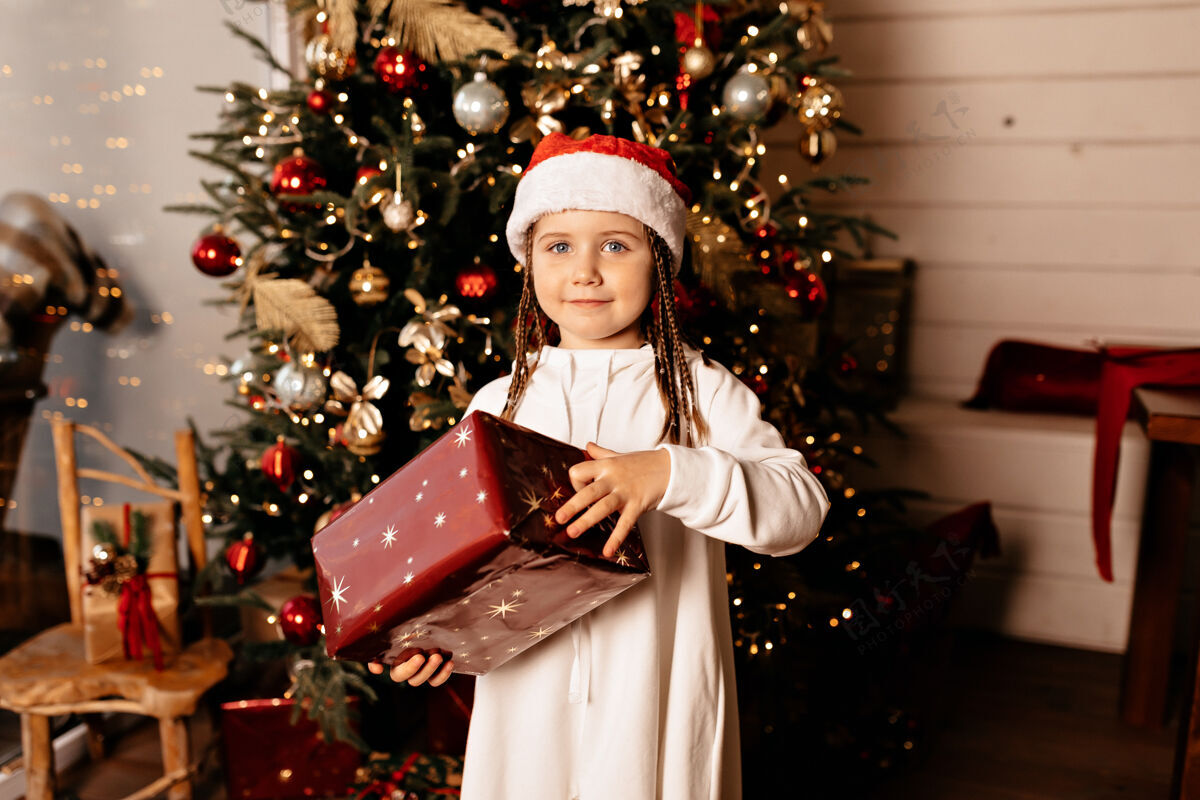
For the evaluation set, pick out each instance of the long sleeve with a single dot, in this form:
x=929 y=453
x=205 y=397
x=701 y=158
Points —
x=746 y=487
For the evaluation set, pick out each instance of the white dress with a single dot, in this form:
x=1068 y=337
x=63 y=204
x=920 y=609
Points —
x=636 y=700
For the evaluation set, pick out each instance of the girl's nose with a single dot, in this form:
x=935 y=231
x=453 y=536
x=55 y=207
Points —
x=585 y=268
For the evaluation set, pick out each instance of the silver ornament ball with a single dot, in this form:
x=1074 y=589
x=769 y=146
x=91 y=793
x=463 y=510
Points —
x=747 y=95
x=480 y=106
x=299 y=387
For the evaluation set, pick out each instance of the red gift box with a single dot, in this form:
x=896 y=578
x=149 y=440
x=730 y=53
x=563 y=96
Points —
x=268 y=757
x=458 y=551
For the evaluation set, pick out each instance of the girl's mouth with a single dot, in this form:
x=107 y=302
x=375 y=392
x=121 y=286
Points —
x=587 y=303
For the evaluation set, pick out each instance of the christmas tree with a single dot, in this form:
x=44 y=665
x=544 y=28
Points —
x=360 y=225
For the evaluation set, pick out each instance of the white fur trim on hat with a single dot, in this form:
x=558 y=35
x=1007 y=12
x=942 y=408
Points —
x=584 y=181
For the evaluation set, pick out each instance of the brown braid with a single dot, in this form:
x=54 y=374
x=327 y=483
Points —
x=671 y=371
x=528 y=306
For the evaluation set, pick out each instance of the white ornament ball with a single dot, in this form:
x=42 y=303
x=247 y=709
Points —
x=298 y=387
x=397 y=213
x=480 y=106
x=747 y=95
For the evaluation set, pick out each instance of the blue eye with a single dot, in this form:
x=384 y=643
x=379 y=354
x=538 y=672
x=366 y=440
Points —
x=554 y=248
x=618 y=244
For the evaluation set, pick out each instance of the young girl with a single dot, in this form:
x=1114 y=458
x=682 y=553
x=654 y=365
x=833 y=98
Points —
x=637 y=699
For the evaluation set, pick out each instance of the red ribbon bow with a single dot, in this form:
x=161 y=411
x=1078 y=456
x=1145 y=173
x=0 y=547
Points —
x=136 y=619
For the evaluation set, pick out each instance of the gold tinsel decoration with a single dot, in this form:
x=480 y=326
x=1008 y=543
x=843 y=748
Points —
x=307 y=320
x=436 y=30
x=718 y=254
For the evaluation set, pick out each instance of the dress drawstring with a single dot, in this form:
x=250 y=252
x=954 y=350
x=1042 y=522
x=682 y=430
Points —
x=581 y=664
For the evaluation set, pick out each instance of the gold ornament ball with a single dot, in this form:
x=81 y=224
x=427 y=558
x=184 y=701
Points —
x=820 y=104
x=818 y=145
x=361 y=442
x=326 y=60
x=699 y=62
x=369 y=286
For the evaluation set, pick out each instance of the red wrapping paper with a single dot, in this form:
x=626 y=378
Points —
x=268 y=757
x=458 y=551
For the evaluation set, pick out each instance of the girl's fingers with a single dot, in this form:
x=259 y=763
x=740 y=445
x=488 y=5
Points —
x=620 y=532
x=375 y=668
x=596 y=451
x=406 y=669
x=579 y=501
x=599 y=510
x=427 y=672
x=582 y=474
x=444 y=675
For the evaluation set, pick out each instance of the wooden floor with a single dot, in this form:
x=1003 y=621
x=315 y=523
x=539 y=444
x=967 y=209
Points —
x=1020 y=721
x=1025 y=721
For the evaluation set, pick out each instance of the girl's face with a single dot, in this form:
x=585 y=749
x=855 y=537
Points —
x=591 y=274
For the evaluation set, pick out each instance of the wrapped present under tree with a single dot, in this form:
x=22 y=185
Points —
x=131 y=595
x=459 y=552
x=273 y=749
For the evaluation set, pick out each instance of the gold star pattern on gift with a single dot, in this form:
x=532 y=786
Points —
x=462 y=436
x=622 y=557
x=502 y=609
x=337 y=594
x=479 y=498
x=439 y=520
x=539 y=633
x=408 y=578
x=531 y=499
x=419 y=496
x=389 y=536
x=462 y=473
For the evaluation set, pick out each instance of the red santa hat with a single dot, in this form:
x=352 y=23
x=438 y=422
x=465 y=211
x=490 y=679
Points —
x=601 y=173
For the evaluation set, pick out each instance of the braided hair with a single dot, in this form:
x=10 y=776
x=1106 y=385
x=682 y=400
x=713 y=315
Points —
x=659 y=325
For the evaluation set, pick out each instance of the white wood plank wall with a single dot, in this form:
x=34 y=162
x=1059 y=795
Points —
x=1060 y=205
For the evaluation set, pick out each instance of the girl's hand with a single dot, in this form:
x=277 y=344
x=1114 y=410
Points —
x=417 y=669
x=631 y=483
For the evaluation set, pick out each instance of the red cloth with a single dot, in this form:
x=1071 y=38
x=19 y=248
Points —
x=1126 y=368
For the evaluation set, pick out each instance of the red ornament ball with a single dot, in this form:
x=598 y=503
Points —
x=279 y=462
x=245 y=558
x=807 y=287
x=216 y=255
x=476 y=282
x=692 y=303
x=299 y=618
x=758 y=382
x=366 y=172
x=399 y=71
x=297 y=175
x=319 y=101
